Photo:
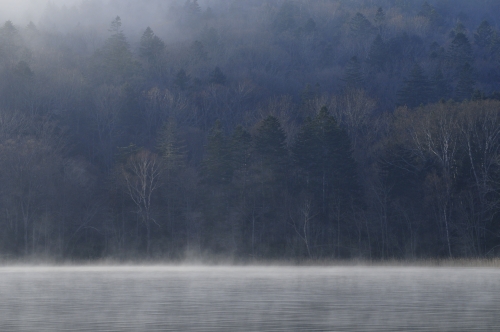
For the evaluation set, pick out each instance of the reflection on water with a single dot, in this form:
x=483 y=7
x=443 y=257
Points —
x=249 y=299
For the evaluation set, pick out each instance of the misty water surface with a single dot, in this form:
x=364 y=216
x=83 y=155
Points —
x=249 y=299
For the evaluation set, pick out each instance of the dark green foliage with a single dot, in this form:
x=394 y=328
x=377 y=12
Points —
x=416 y=89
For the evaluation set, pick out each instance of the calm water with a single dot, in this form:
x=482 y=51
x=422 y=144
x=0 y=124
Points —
x=249 y=299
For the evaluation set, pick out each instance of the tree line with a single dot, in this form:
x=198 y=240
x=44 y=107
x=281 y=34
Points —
x=330 y=130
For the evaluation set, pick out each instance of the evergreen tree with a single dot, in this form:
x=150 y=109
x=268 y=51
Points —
x=416 y=89
x=182 y=79
x=198 y=51
x=216 y=167
x=483 y=35
x=379 y=19
x=440 y=86
x=327 y=55
x=114 y=62
x=460 y=51
x=171 y=148
x=465 y=85
x=217 y=77
x=285 y=18
x=360 y=27
x=353 y=77
x=241 y=145
x=192 y=7
x=322 y=152
x=270 y=144
x=430 y=13
x=377 y=56
x=151 y=46
x=310 y=26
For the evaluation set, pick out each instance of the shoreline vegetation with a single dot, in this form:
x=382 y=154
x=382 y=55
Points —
x=295 y=131
x=219 y=262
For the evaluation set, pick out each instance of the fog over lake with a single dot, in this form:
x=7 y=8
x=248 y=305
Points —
x=197 y=298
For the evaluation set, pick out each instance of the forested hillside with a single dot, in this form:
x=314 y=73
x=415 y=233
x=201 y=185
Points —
x=326 y=129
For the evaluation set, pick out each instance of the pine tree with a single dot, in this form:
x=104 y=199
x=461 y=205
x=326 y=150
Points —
x=198 y=51
x=182 y=79
x=241 y=145
x=465 y=85
x=217 y=77
x=377 y=56
x=171 y=148
x=285 y=18
x=114 y=61
x=460 y=51
x=310 y=26
x=360 y=27
x=440 y=86
x=270 y=143
x=322 y=152
x=416 y=89
x=483 y=35
x=151 y=46
x=216 y=166
x=430 y=13
x=353 y=77
x=379 y=19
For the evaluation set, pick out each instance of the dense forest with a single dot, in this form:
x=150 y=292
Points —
x=295 y=129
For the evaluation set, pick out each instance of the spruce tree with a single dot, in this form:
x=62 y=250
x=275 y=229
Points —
x=182 y=79
x=377 y=56
x=151 y=46
x=416 y=89
x=379 y=19
x=360 y=27
x=440 y=86
x=322 y=152
x=460 y=51
x=241 y=146
x=217 y=77
x=216 y=167
x=465 y=85
x=353 y=77
x=483 y=35
x=270 y=143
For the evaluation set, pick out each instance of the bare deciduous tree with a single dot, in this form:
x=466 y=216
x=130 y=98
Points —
x=142 y=174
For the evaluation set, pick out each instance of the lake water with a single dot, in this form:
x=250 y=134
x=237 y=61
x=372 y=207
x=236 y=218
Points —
x=169 y=298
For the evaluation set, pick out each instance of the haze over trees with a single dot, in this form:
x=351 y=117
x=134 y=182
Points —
x=287 y=129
